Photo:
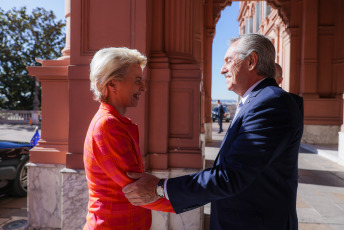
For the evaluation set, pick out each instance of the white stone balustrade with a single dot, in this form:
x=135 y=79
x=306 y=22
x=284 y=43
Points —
x=20 y=117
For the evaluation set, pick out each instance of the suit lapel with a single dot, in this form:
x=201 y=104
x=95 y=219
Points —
x=228 y=139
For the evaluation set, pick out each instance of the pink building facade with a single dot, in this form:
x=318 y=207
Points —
x=310 y=50
x=176 y=36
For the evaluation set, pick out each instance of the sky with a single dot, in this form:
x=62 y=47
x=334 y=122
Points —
x=57 y=6
x=226 y=27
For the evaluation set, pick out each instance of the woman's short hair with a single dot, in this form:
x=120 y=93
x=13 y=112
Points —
x=112 y=64
x=248 y=43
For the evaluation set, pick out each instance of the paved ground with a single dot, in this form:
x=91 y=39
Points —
x=320 y=201
x=13 y=213
x=22 y=133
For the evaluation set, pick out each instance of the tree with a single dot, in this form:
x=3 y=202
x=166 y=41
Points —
x=24 y=38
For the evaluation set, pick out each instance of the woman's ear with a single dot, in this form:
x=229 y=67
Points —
x=112 y=85
x=252 y=61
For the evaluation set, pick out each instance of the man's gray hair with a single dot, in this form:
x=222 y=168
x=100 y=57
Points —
x=248 y=43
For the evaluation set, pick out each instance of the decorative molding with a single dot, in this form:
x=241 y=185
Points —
x=181 y=106
x=338 y=61
x=132 y=23
x=85 y=49
x=310 y=60
x=178 y=31
x=182 y=158
x=283 y=7
x=293 y=31
x=218 y=6
x=323 y=111
x=326 y=30
x=252 y=10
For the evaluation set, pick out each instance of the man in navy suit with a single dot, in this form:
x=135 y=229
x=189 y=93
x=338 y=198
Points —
x=253 y=182
x=220 y=113
x=279 y=74
x=279 y=79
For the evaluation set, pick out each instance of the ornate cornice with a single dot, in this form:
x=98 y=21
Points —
x=283 y=7
x=218 y=6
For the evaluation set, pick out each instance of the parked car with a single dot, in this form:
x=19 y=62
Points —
x=13 y=170
x=226 y=116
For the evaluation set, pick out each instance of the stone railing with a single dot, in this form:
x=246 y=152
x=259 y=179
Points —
x=20 y=117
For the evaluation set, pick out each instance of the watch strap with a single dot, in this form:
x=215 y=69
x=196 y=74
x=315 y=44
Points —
x=160 y=188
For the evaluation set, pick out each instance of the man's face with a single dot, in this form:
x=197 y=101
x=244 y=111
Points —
x=233 y=70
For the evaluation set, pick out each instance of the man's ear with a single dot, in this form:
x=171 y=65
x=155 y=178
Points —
x=252 y=61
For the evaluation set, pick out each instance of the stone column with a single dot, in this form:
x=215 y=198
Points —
x=174 y=145
x=49 y=156
x=309 y=52
x=159 y=91
x=339 y=67
x=341 y=137
x=207 y=76
x=209 y=32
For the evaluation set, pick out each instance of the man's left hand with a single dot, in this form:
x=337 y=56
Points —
x=142 y=191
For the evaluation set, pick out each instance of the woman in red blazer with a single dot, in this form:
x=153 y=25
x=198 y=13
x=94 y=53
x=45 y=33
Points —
x=112 y=142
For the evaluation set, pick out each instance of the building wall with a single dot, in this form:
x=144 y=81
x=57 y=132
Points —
x=170 y=34
x=305 y=34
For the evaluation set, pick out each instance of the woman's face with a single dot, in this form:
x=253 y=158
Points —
x=128 y=91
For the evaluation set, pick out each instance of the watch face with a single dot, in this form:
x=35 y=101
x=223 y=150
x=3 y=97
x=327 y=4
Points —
x=160 y=191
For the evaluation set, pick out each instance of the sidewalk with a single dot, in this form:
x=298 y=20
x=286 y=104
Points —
x=320 y=200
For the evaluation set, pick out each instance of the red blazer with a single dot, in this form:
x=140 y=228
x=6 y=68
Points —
x=111 y=150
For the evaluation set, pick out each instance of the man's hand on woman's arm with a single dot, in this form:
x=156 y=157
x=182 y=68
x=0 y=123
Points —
x=142 y=191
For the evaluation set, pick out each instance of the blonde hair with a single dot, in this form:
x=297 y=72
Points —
x=112 y=64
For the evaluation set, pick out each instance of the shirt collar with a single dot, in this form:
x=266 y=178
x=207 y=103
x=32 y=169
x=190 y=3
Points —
x=249 y=91
x=114 y=112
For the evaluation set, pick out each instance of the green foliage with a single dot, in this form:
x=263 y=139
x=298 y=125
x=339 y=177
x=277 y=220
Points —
x=23 y=38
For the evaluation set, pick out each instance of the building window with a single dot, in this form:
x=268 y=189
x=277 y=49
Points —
x=267 y=10
x=257 y=16
x=249 y=25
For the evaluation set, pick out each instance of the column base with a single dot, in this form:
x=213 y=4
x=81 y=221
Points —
x=341 y=145
x=191 y=220
x=58 y=198
x=320 y=134
x=208 y=130
x=74 y=198
x=44 y=196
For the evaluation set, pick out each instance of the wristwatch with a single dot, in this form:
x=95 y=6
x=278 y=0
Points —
x=160 y=188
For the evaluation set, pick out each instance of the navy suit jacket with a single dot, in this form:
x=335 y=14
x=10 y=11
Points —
x=253 y=182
